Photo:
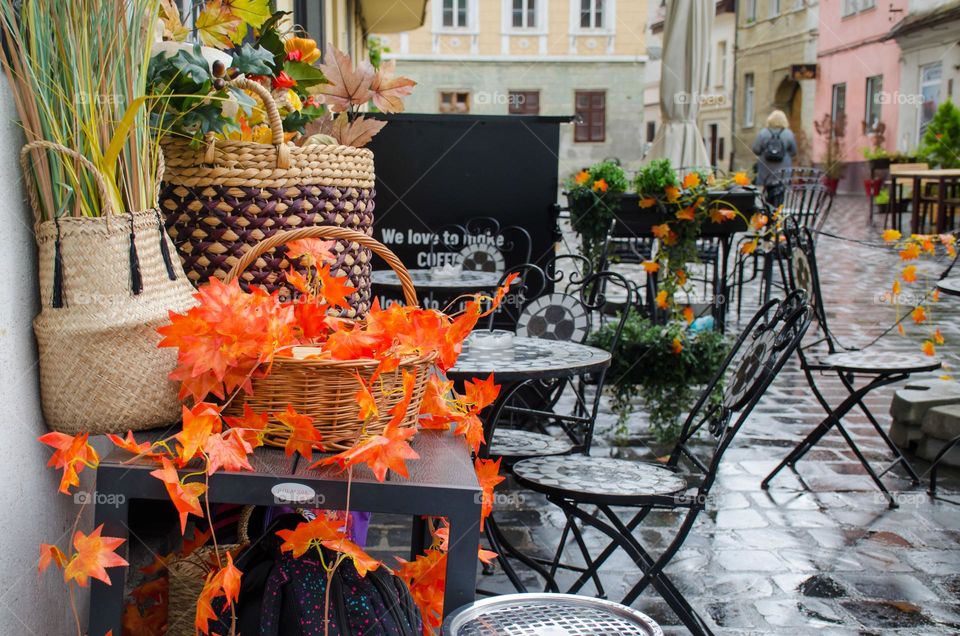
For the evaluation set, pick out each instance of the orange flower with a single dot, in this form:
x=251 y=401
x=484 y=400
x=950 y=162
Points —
x=719 y=215
x=891 y=235
x=677 y=346
x=935 y=296
x=681 y=277
x=910 y=252
x=901 y=330
x=692 y=180
x=662 y=299
x=896 y=288
x=673 y=193
x=741 y=179
x=688 y=314
x=687 y=214
x=600 y=185
x=647 y=202
x=661 y=231
x=759 y=221
x=651 y=267
x=909 y=273
x=919 y=315
x=938 y=337
x=928 y=348
x=749 y=248
x=302 y=50
x=582 y=177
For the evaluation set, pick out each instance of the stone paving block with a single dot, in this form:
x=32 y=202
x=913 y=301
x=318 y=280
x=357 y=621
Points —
x=904 y=435
x=942 y=422
x=910 y=405
x=930 y=447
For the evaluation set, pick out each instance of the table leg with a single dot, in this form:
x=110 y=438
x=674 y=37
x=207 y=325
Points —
x=464 y=517
x=106 y=601
x=418 y=537
x=941 y=220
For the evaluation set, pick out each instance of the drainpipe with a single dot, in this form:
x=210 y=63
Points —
x=735 y=84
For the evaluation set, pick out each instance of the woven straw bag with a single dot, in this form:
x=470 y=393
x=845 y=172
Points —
x=187 y=575
x=222 y=199
x=106 y=284
x=326 y=389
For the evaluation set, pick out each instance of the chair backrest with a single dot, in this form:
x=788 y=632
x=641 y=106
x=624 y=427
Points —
x=560 y=272
x=800 y=174
x=800 y=271
x=755 y=359
x=806 y=201
x=481 y=245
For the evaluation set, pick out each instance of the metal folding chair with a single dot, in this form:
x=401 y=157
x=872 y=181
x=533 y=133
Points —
x=587 y=488
x=880 y=369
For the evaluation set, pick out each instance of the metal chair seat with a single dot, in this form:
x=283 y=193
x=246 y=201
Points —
x=871 y=362
x=615 y=481
x=535 y=614
x=513 y=444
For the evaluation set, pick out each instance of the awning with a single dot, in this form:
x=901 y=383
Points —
x=392 y=16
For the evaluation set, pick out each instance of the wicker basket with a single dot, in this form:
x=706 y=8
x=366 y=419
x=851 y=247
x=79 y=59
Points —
x=326 y=389
x=106 y=284
x=188 y=573
x=222 y=199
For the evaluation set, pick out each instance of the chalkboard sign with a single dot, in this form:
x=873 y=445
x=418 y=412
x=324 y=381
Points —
x=438 y=171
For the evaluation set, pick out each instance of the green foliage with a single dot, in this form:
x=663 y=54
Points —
x=940 y=145
x=654 y=177
x=375 y=51
x=594 y=195
x=253 y=60
x=646 y=365
x=874 y=152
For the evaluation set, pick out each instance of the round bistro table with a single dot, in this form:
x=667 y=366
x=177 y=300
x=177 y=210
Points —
x=528 y=359
x=949 y=286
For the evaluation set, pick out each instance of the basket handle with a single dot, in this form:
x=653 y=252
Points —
x=32 y=190
x=330 y=232
x=273 y=119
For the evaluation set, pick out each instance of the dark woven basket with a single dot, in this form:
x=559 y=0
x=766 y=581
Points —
x=223 y=198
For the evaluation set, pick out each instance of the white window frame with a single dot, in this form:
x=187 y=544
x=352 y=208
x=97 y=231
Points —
x=751 y=11
x=749 y=100
x=720 y=68
x=609 y=17
x=506 y=19
x=853 y=7
x=473 y=18
x=774 y=8
x=920 y=86
x=873 y=82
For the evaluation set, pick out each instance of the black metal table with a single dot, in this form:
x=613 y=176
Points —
x=949 y=286
x=526 y=359
x=442 y=483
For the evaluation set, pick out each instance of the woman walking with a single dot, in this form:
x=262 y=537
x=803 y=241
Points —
x=775 y=148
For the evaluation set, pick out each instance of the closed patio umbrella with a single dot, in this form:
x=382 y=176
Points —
x=683 y=79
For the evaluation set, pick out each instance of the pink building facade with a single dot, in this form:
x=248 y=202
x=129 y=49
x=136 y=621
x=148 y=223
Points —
x=858 y=74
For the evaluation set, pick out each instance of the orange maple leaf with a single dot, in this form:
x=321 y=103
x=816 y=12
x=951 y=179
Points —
x=600 y=185
x=199 y=423
x=676 y=346
x=435 y=410
x=919 y=315
x=661 y=299
x=910 y=252
x=651 y=267
x=486 y=556
x=250 y=425
x=318 y=250
x=691 y=180
x=94 y=554
x=480 y=393
x=185 y=497
x=471 y=427
x=129 y=444
x=345 y=85
x=227 y=451
x=310 y=534
x=688 y=314
x=304 y=437
x=909 y=273
x=72 y=454
x=673 y=193
x=366 y=401
x=50 y=554
x=380 y=452
x=647 y=202
x=488 y=474
x=362 y=561
x=334 y=289
x=687 y=214
x=388 y=91
x=928 y=348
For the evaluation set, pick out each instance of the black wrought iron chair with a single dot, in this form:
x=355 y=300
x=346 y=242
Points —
x=805 y=199
x=587 y=489
x=481 y=244
x=846 y=363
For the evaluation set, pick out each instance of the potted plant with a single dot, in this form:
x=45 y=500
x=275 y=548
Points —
x=833 y=133
x=663 y=365
x=942 y=138
x=593 y=196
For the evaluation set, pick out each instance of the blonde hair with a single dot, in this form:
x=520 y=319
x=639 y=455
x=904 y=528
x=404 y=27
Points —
x=777 y=119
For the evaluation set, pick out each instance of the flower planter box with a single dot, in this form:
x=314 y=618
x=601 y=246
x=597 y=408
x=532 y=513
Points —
x=634 y=221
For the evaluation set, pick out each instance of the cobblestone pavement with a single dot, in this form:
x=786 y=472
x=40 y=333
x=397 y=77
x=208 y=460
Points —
x=832 y=559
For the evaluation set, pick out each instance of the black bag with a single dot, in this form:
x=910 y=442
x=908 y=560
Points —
x=284 y=596
x=775 y=150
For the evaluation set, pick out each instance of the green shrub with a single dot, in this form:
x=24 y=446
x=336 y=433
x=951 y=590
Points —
x=940 y=145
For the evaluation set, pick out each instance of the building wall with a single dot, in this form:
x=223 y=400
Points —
x=717 y=104
x=850 y=50
x=489 y=58
x=767 y=47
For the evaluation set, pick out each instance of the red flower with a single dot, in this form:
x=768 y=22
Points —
x=294 y=56
x=283 y=81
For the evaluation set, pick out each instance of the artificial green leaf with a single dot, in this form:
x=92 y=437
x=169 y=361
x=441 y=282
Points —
x=244 y=101
x=271 y=23
x=253 y=60
x=305 y=74
x=191 y=64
